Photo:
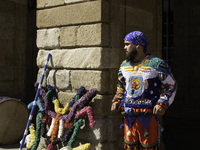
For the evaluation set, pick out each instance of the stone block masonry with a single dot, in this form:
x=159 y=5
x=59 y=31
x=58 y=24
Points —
x=88 y=12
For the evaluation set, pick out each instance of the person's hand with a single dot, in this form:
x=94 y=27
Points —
x=158 y=110
x=116 y=106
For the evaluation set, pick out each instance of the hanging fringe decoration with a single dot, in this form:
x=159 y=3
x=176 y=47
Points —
x=51 y=127
x=83 y=147
x=61 y=128
x=47 y=104
x=53 y=92
x=46 y=119
x=88 y=95
x=37 y=135
x=50 y=146
x=28 y=140
x=66 y=109
x=56 y=119
x=87 y=110
x=58 y=109
x=38 y=104
x=69 y=132
x=77 y=126
x=80 y=92
x=68 y=124
x=41 y=102
x=76 y=98
x=48 y=95
x=55 y=128
x=32 y=133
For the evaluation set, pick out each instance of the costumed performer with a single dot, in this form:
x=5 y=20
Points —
x=145 y=90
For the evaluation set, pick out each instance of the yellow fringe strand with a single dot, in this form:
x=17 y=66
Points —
x=65 y=109
x=32 y=132
x=83 y=147
x=58 y=109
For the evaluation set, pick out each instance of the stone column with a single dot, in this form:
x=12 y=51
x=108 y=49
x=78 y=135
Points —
x=84 y=39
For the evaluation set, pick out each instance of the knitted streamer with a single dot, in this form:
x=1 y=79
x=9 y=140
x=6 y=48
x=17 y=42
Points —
x=37 y=135
x=77 y=126
x=56 y=106
x=46 y=119
x=43 y=126
x=66 y=108
x=58 y=109
x=55 y=128
x=51 y=114
x=76 y=98
x=47 y=104
x=56 y=141
x=61 y=128
x=51 y=127
x=68 y=124
x=50 y=146
x=80 y=92
x=83 y=147
x=38 y=103
x=67 y=135
x=28 y=140
x=71 y=114
x=53 y=92
x=87 y=110
x=48 y=94
x=60 y=133
x=32 y=133
x=41 y=102
x=36 y=84
x=84 y=103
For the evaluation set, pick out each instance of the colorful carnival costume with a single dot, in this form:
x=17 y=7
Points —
x=142 y=85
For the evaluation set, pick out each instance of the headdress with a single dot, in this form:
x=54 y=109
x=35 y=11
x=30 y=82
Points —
x=138 y=38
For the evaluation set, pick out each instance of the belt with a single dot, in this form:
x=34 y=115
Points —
x=146 y=114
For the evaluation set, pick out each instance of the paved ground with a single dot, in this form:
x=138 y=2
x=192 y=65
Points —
x=11 y=147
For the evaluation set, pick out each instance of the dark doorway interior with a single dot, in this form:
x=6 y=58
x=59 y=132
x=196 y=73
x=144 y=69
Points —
x=181 y=28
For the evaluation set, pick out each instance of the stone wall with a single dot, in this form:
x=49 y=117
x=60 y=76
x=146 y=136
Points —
x=13 y=29
x=85 y=38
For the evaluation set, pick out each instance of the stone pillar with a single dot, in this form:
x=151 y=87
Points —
x=85 y=38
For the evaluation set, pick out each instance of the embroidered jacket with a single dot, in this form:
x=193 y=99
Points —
x=145 y=83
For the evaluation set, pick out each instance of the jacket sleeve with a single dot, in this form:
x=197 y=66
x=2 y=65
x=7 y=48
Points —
x=120 y=88
x=168 y=85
